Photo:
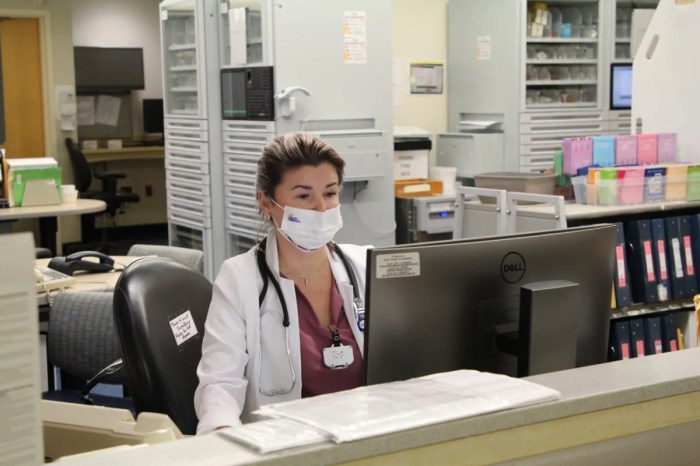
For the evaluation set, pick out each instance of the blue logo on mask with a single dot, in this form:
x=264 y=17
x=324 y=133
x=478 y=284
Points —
x=294 y=219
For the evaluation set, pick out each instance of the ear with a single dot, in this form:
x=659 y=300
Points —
x=265 y=205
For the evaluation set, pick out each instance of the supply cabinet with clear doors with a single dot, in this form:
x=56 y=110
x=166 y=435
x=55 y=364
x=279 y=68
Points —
x=540 y=68
x=318 y=67
x=192 y=155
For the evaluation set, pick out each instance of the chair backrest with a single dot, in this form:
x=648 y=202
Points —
x=81 y=168
x=160 y=307
x=82 y=338
x=191 y=258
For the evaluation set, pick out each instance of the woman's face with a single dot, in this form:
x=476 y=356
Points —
x=306 y=187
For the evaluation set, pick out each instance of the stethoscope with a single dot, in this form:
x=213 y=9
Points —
x=267 y=275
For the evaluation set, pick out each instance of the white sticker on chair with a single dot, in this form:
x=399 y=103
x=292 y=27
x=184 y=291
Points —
x=183 y=327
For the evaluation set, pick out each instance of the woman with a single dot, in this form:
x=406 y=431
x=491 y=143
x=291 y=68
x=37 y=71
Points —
x=252 y=353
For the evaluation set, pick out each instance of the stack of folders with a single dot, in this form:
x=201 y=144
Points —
x=655 y=263
x=32 y=181
x=641 y=336
x=655 y=260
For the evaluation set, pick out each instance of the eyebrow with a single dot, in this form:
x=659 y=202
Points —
x=303 y=186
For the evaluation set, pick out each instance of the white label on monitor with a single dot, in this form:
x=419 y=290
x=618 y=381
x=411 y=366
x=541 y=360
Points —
x=183 y=327
x=405 y=264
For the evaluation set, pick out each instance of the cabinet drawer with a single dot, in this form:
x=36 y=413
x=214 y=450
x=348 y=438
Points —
x=187 y=156
x=189 y=167
x=191 y=210
x=244 y=186
x=238 y=147
x=184 y=216
x=620 y=115
x=242 y=213
x=249 y=137
x=564 y=130
x=241 y=158
x=185 y=124
x=241 y=172
x=248 y=125
x=537 y=163
x=235 y=199
x=193 y=147
x=187 y=177
x=556 y=137
x=188 y=187
x=186 y=134
x=190 y=200
x=558 y=118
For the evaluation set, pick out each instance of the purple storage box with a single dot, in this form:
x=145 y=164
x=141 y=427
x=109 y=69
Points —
x=578 y=153
x=647 y=149
x=666 y=147
x=626 y=150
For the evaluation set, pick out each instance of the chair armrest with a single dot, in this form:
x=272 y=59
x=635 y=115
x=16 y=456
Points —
x=116 y=366
x=109 y=175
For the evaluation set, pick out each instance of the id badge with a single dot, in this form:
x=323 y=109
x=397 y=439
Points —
x=338 y=357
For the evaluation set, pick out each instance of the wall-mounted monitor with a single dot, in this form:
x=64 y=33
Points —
x=247 y=93
x=108 y=70
x=620 y=86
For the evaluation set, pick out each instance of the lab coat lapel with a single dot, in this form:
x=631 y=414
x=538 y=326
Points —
x=342 y=281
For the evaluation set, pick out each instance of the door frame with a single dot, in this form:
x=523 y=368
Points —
x=47 y=81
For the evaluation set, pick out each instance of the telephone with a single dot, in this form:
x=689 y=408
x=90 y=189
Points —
x=76 y=262
x=48 y=279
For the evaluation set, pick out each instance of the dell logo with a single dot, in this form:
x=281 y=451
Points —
x=513 y=267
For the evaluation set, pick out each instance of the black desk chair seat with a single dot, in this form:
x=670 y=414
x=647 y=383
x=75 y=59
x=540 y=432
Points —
x=162 y=368
x=82 y=341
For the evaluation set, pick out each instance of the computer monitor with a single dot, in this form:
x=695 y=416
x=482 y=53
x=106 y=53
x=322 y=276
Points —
x=436 y=307
x=153 y=116
x=620 y=86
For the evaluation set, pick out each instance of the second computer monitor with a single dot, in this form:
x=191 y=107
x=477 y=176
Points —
x=153 y=116
x=436 y=307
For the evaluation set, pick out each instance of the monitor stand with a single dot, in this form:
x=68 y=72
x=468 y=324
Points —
x=544 y=339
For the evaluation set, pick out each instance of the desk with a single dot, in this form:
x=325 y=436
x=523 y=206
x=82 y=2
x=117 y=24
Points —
x=93 y=281
x=125 y=153
x=639 y=411
x=47 y=217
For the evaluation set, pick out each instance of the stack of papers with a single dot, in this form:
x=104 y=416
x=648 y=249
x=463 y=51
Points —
x=275 y=434
x=392 y=407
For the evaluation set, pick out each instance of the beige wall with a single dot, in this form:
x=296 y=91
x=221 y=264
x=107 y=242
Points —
x=419 y=34
x=130 y=23
x=57 y=53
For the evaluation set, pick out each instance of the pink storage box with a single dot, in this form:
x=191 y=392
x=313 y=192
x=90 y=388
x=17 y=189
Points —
x=626 y=150
x=577 y=153
x=666 y=147
x=630 y=185
x=647 y=149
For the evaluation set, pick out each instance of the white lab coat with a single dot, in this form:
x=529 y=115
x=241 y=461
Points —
x=242 y=339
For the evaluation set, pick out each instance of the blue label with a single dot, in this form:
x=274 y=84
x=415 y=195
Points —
x=294 y=219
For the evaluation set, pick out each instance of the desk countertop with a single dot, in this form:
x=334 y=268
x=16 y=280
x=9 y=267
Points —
x=81 y=206
x=92 y=281
x=606 y=401
x=125 y=153
x=582 y=211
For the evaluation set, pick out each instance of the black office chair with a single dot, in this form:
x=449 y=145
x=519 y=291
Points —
x=114 y=199
x=151 y=294
x=82 y=341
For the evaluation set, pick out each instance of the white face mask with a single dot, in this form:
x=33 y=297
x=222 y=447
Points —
x=308 y=229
